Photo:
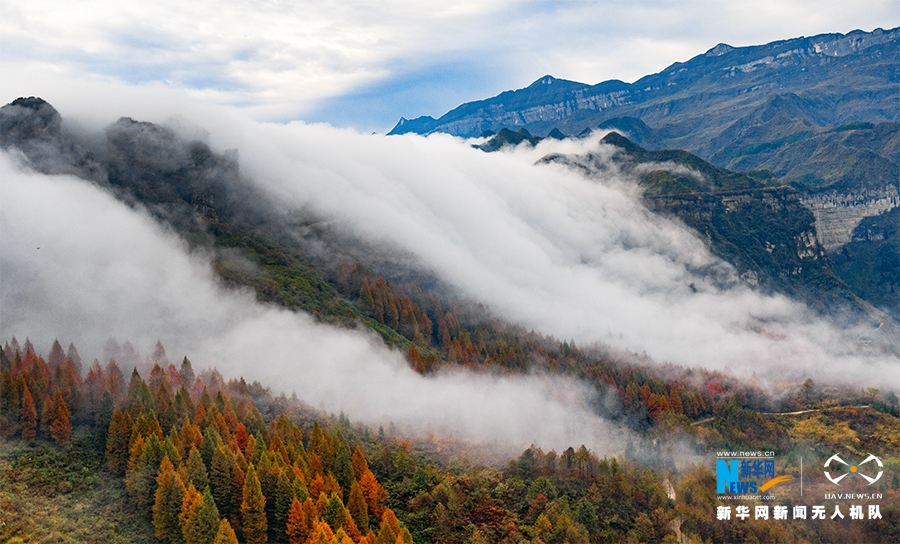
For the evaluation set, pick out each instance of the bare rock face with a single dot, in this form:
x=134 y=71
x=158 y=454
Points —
x=838 y=214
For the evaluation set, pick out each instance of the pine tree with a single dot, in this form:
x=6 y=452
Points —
x=343 y=469
x=404 y=537
x=167 y=504
x=390 y=528
x=196 y=470
x=296 y=528
x=242 y=437
x=356 y=504
x=10 y=404
x=237 y=481
x=253 y=509
x=415 y=359
x=28 y=418
x=226 y=534
x=366 y=304
x=60 y=424
x=374 y=494
x=321 y=534
x=141 y=480
x=220 y=481
x=187 y=518
x=299 y=489
x=360 y=465
x=206 y=522
x=333 y=514
x=284 y=496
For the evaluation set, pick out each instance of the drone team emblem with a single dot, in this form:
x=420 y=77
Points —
x=853 y=469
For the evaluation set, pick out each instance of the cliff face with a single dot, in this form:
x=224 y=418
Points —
x=838 y=213
x=766 y=233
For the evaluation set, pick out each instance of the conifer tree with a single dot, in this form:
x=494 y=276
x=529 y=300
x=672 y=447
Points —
x=206 y=522
x=360 y=465
x=28 y=418
x=141 y=482
x=296 y=528
x=390 y=528
x=343 y=469
x=138 y=398
x=356 y=504
x=253 y=509
x=237 y=481
x=284 y=496
x=366 y=304
x=167 y=504
x=226 y=534
x=187 y=518
x=333 y=514
x=299 y=489
x=136 y=450
x=211 y=441
x=60 y=423
x=242 y=437
x=10 y=404
x=196 y=470
x=48 y=413
x=186 y=373
x=415 y=359
x=404 y=537
x=321 y=534
x=267 y=478
x=373 y=492
x=220 y=481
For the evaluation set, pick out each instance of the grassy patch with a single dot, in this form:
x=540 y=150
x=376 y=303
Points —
x=62 y=495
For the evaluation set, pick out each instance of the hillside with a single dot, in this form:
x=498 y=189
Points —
x=186 y=456
x=750 y=220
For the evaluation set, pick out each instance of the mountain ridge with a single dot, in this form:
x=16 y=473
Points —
x=686 y=100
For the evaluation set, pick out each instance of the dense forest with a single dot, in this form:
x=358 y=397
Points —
x=105 y=455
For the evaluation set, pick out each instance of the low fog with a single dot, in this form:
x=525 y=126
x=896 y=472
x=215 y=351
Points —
x=542 y=246
x=547 y=248
x=82 y=267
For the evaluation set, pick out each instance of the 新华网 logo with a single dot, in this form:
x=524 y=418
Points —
x=743 y=476
x=853 y=469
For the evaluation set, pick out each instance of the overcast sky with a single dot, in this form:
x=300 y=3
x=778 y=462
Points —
x=365 y=63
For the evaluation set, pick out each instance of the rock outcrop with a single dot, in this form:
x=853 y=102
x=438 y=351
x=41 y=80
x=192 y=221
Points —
x=838 y=214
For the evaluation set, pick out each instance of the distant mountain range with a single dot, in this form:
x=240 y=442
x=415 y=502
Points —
x=704 y=104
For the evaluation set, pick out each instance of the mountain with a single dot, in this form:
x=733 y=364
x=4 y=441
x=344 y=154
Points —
x=820 y=114
x=836 y=79
x=749 y=219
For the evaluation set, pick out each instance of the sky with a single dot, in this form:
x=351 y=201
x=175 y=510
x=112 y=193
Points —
x=364 y=64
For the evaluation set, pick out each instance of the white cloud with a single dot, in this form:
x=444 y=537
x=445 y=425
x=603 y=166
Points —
x=282 y=59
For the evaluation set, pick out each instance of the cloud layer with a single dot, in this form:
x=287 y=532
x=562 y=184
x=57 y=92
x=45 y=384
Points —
x=82 y=267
